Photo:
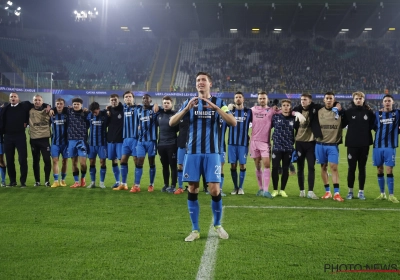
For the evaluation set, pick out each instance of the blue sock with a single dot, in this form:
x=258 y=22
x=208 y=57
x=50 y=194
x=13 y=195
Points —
x=76 y=176
x=3 y=173
x=92 y=172
x=55 y=176
x=63 y=175
x=103 y=171
x=336 y=188
x=138 y=174
x=390 y=183
x=194 y=210
x=327 y=188
x=152 y=174
x=381 y=183
x=216 y=206
x=180 y=177
x=124 y=172
x=116 y=172
x=234 y=176
x=83 y=175
x=221 y=184
x=241 y=178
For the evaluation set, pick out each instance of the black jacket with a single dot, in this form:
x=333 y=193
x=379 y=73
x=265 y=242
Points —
x=115 y=124
x=167 y=134
x=26 y=105
x=360 y=121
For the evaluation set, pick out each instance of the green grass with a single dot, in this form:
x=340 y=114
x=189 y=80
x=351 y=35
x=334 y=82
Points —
x=68 y=233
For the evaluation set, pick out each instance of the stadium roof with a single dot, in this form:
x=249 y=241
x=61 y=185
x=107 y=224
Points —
x=307 y=17
x=304 y=17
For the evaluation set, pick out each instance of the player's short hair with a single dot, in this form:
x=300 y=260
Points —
x=387 y=95
x=59 y=100
x=358 y=93
x=94 y=106
x=206 y=74
x=167 y=97
x=128 y=92
x=77 y=99
x=114 y=95
x=239 y=92
x=37 y=95
x=146 y=95
x=306 y=94
x=262 y=92
x=286 y=101
x=329 y=93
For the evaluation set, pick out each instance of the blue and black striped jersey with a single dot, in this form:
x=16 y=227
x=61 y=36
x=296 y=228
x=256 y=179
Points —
x=223 y=128
x=204 y=127
x=130 y=122
x=387 y=129
x=147 y=124
x=239 y=134
x=98 y=129
x=59 y=125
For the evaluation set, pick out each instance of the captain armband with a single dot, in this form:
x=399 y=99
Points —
x=225 y=109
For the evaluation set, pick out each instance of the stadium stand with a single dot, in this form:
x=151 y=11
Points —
x=81 y=65
x=292 y=65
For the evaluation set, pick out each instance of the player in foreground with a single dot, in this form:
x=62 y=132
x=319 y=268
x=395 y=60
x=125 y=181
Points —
x=203 y=147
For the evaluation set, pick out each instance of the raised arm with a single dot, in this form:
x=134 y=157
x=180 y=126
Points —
x=175 y=119
x=228 y=118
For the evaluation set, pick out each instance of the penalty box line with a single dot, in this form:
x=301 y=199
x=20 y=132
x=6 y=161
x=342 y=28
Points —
x=314 y=208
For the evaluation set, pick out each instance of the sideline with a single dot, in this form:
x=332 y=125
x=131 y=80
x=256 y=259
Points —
x=315 y=208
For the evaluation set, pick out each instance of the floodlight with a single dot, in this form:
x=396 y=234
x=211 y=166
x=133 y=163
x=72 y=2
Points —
x=345 y=29
x=94 y=8
x=277 y=29
x=17 y=13
x=75 y=12
x=392 y=29
x=368 y=29
x=9 y=3
x=19 y=9
x=5 y=8
x=146 y=28
x=97 y=12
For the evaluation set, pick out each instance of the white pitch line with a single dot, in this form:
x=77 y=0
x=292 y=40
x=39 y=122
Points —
x=209 y=258
x=315 y=208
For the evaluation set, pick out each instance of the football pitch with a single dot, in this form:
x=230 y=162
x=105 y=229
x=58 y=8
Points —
x=84 y=233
